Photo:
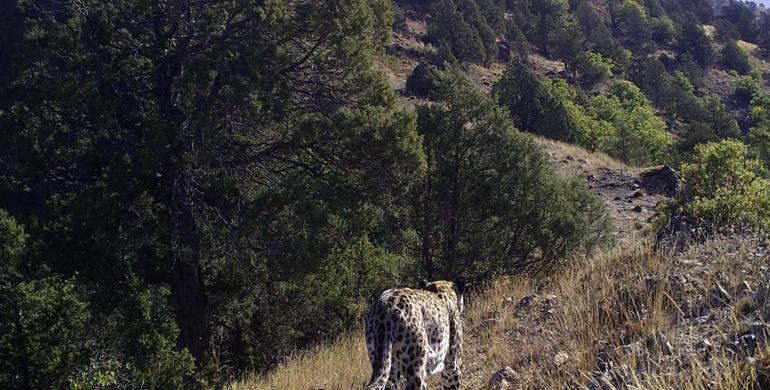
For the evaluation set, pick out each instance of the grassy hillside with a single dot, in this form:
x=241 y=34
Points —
x=627 y=317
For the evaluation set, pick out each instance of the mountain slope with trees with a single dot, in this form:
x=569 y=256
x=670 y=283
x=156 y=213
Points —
x=191 y=192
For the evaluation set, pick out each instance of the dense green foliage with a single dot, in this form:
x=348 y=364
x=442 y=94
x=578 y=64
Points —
x=734 y=57
x=622 y=123
x=194 y=191
x=637 y=135
x=424 y=80
x=198 y=192
x=466 y=29
x=489 y=201
x=724 y=186
x=592 y=67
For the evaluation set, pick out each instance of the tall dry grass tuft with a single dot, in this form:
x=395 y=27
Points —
x=340 y=365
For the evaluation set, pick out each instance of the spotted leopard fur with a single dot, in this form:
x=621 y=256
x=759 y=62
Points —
x=413 y=333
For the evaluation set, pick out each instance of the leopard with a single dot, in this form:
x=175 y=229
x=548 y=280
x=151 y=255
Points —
x=414 y=333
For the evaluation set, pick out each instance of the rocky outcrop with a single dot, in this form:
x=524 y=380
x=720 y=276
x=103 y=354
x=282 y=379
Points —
x=662 y=180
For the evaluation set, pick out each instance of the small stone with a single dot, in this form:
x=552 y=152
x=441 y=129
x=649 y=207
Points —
x=743 y=288
x=636 y=194
x=650 y=282
x=720 y=296
x=704 y=345
x=744 y=345
x=526 y=301
x=560 y=358
x=637 y=209
x=506 y=378
x=760 y=330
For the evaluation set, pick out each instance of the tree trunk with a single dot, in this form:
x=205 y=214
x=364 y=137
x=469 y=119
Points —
x=186 y=279
x=427 y=258
x=191 y=309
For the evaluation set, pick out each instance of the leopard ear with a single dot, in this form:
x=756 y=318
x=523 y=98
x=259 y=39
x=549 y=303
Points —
x=422 y=283
x=460 y=285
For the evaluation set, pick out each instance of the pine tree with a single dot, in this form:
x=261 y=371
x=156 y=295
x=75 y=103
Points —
x=194 y=164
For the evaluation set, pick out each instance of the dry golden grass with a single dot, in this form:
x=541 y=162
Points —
x=344 y=363
x=611 y=308
x=748 y=46
x=581 y=160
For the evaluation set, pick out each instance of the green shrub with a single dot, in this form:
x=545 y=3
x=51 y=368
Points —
x=490 y=204
x=450 y=24
x=734 y=57
x=746 y=88
x=724 y=185
x=694 y=41
x=640 y=136
x=542 y=107
x=663 y=30
x=41 y=319
x=593 y=67
x=423 y=80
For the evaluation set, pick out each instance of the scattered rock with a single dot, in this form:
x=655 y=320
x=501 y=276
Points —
x=526 y=301
x=637 y=209
x=720 y=296
x=761 y=300
x=636 y=194
x=663 y=180
x=760 y=330
x=704 y=346
x=744 y=345
x=679 y=231
x=560 y=358
x=506 y=378
x=743 y=288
